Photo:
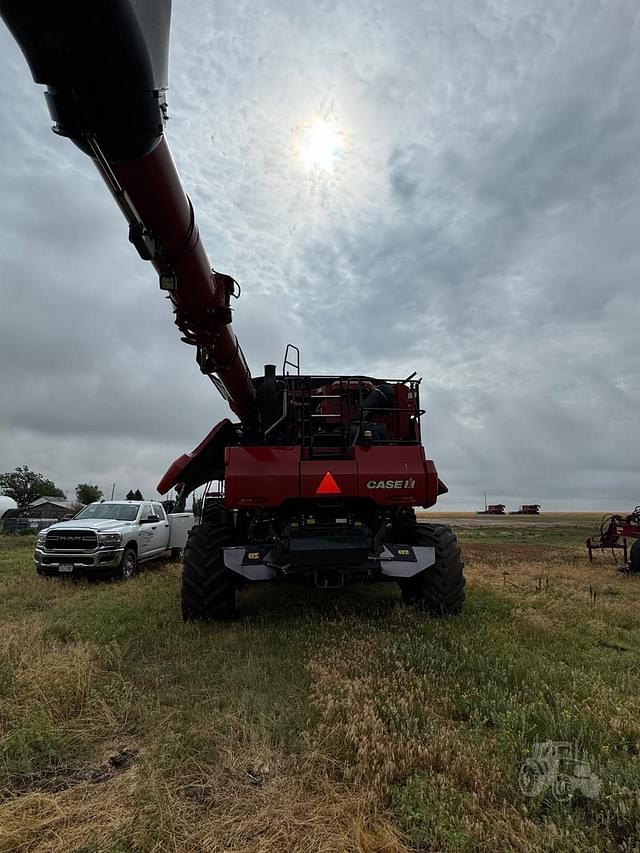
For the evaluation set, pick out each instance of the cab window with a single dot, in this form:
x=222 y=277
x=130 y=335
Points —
x=158 y=510
x=146 y=512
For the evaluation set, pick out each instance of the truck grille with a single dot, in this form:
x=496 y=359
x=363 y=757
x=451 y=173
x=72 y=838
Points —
x=71 y=540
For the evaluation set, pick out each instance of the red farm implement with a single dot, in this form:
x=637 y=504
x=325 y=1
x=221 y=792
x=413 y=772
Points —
x=615 y=531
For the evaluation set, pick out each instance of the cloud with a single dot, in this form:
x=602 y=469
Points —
x=480 y=228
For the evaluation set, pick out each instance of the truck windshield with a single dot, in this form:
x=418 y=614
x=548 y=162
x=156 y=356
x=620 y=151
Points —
x=118 y=512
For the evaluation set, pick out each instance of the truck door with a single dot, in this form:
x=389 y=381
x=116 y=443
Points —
x=163 y=531
x=147 y=532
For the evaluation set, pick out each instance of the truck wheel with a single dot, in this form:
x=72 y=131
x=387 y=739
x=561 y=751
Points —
x=438 y=590
x=208 y=587
x=128 y=565
x=634 y=557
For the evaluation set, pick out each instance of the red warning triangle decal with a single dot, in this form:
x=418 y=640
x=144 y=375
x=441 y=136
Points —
x=328 y=486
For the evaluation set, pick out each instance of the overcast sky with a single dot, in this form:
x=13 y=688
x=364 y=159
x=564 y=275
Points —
x=480 y=226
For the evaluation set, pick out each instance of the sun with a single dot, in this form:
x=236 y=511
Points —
x=321 y=142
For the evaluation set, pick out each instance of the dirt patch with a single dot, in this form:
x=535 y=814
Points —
x=57 y=779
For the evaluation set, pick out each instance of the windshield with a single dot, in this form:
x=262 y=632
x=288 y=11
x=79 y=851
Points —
x=118 y=512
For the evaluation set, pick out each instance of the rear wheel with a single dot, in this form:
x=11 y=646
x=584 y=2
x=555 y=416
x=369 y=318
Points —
x=208 y=587
x=438 y=590
x=634 y=557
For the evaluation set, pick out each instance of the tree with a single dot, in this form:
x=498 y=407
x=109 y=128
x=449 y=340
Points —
x=26 y=486
x=87 y=494
x=135 y=496
x=49 y=489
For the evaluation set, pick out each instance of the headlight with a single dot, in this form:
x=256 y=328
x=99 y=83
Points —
x=110 y=540
x=40 y=540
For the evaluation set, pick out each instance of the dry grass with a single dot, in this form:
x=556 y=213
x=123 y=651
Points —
x=290 y=807
x=317 y=724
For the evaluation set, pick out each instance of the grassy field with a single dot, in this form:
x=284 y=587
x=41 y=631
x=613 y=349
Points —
x=322 y=723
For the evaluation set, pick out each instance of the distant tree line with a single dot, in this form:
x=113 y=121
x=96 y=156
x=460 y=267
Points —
x=26 y=486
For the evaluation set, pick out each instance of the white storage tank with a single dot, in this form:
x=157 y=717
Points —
x=6 y=503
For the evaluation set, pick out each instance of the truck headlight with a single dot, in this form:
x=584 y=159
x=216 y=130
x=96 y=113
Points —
x=109 y=540
x=40 y=540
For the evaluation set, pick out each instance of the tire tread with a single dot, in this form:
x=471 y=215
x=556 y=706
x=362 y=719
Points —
x=440 y=589
x=208 y=587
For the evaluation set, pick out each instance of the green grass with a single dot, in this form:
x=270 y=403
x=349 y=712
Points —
x=317 y=721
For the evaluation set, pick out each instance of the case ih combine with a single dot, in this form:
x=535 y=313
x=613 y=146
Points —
x=321 y=473
x=492 y=509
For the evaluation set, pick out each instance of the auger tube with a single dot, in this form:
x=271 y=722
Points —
x=105 y=67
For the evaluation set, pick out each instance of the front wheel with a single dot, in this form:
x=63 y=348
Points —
x=208 y=587
x=128 y=565
x=439 y=589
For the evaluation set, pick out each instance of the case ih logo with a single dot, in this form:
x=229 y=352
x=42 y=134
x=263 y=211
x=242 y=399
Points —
x=391 y=484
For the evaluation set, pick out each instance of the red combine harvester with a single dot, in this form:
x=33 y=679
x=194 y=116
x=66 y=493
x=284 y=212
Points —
x=527 y=509
x=321 y=473
x=615 y=530
x=492 y=509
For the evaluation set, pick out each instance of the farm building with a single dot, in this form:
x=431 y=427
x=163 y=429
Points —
x=52 y=508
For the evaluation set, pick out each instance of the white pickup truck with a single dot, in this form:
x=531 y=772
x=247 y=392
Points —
x=111 y=538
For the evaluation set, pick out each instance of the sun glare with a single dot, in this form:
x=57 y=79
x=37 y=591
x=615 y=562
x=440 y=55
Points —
x=321 y=142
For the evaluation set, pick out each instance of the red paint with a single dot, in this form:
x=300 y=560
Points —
x=261 y=476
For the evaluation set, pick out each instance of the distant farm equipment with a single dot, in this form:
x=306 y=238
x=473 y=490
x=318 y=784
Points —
x=615 y=531
x=527 y=509
x=492 y=509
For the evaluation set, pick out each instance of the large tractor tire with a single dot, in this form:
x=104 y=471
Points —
x=634 y=557
x=208 y=587
x=439 y=590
